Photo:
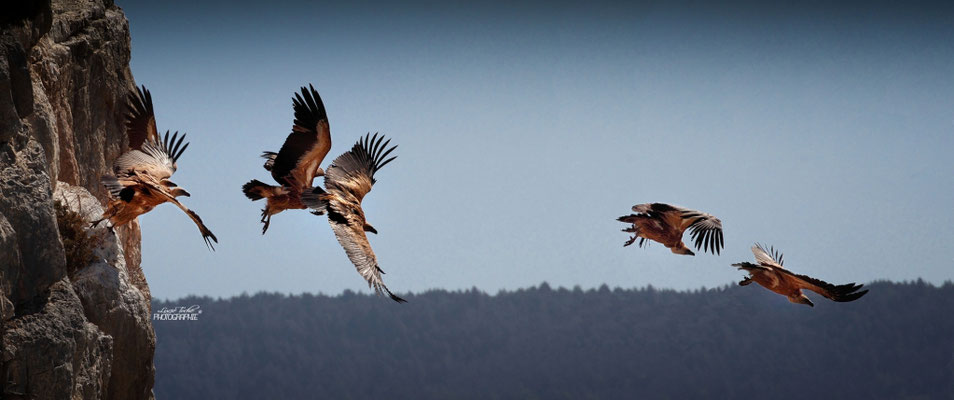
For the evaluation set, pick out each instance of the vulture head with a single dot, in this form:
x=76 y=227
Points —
x=369 y=228
x=801 y=299
x=682 y=249
x=174 y=189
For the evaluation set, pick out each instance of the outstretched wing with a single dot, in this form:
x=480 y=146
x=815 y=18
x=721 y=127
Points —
x=140 y=119
x=305 y=148
x=154 y=158
x=768 y=257
x=840 y=293
x=352 y=173
x=704 y=229
x=349 y=230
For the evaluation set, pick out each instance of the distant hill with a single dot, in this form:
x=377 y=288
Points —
x=897 y=342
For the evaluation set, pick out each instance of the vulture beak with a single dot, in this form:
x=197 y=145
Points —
x=369 y=228
x=690 y=253
x=804 y=300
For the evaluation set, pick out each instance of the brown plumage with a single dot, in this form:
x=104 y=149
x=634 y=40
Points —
x=666 y=224
x=770 y=274
x=348 y=179
x=298 y=162
x=141 y=175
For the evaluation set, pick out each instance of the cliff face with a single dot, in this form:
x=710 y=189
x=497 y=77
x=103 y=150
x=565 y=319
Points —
x=83 y=333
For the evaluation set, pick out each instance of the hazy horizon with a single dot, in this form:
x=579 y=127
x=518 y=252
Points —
x=525 y=130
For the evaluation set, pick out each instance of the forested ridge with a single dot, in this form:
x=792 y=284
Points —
x=897 y=342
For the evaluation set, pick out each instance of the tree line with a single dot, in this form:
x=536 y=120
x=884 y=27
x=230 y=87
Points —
x=544 y=343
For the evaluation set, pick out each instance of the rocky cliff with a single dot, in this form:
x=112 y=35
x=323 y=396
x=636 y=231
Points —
x=67 y=331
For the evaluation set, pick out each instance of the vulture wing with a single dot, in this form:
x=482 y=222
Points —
x=351 y=236
x=352 y=173
x=140 y=119
x=840 y=293
x=348 y=180
x=305 y=148
x=154 y=158
x=767 y=257
x=704 y=229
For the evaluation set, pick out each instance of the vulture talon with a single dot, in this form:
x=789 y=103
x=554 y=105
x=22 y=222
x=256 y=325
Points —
x=630 y=241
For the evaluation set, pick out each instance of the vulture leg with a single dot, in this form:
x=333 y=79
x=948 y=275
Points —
x=266 y=219
x=632 y=229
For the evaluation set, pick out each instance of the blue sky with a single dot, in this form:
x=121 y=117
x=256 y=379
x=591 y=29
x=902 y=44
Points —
x=525 y=130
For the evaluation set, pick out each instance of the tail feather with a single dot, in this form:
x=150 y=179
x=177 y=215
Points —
x=256 y=189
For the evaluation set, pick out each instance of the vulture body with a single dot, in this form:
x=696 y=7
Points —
x=140 y=179
x=298 y=162
x=666 y=224
x=770 y=274
x=348 y=179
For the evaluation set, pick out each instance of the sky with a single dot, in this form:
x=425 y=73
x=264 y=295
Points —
x=526 y=129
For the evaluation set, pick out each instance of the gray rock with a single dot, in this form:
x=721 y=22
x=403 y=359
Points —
x=112 y=303
x=64 y=76
x=10 y=257
x=55 y=353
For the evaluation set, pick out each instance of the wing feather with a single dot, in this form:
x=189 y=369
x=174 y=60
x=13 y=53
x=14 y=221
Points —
x=840 y=293
x=140 y=119
x=770 y=256
x=351 y=236
x=704 y=229
x=307 y=145
x=152 y=159
x=352 y=173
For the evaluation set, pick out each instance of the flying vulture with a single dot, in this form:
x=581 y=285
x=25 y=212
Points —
x=770 y=274
x=348 y=180
x=298 y=162
x=140 y=179
x=665 y=224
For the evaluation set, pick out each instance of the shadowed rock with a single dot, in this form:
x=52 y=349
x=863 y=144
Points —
x=64 y=75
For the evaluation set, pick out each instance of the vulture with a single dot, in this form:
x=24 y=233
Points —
x=298 y=161
x=347 y=181
x=140 y=179
x=665 y=224
x=770 y=274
